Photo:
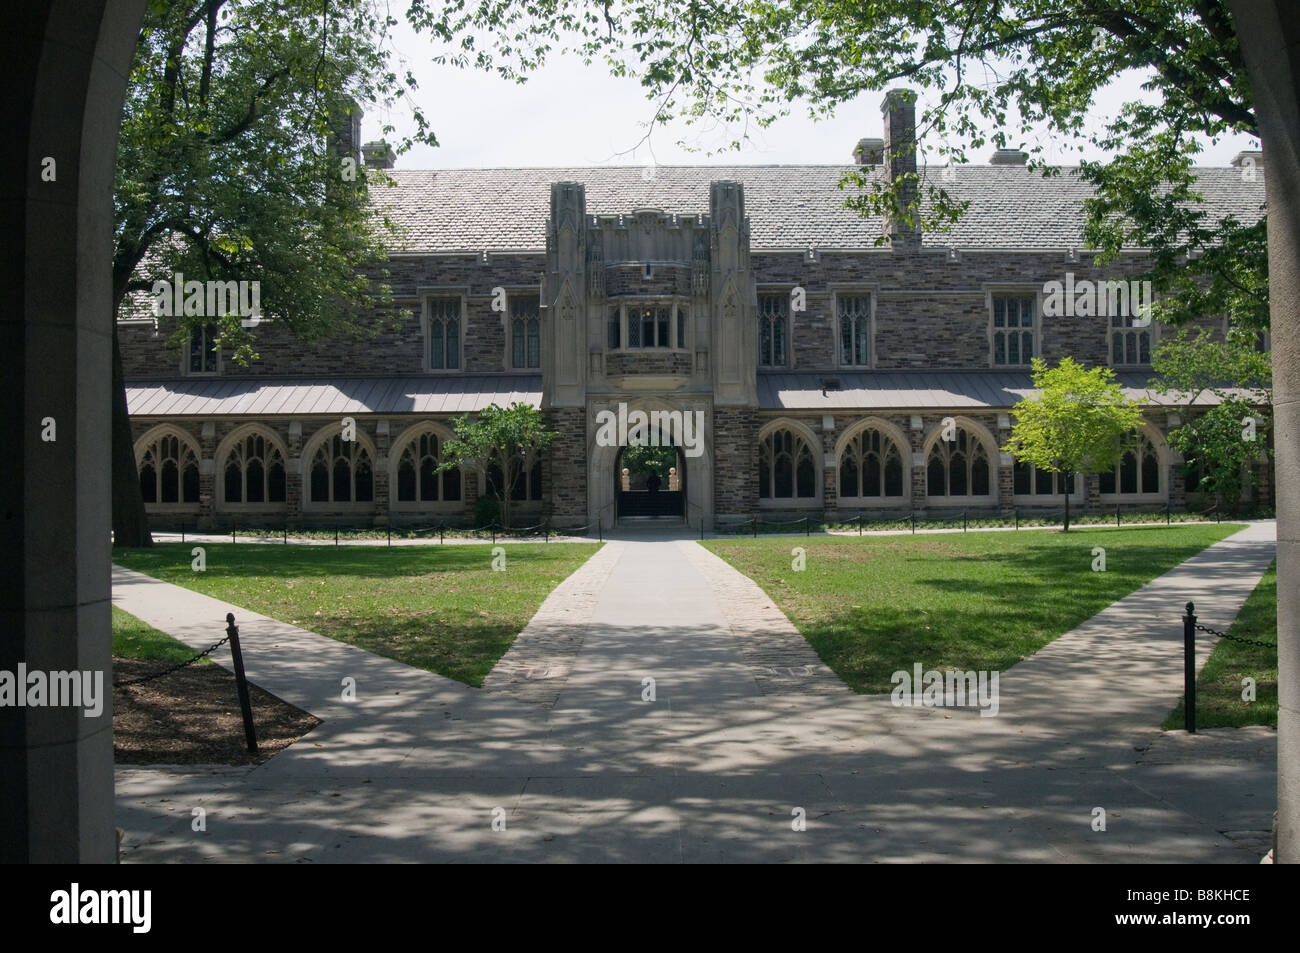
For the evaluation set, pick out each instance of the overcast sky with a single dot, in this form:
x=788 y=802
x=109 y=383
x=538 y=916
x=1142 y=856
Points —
x=568 y=114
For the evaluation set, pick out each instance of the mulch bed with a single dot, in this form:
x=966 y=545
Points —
x=192 y=717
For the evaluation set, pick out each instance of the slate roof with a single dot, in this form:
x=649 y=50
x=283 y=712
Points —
x=789 y=207
x=880 y=390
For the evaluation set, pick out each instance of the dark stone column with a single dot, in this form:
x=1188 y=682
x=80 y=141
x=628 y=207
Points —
x=65 y=78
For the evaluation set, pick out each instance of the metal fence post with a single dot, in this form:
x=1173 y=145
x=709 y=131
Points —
x=755 y=525
x=963 y=521
x=286 y=534
x=241 y=682
x=807 y=526
x=442 y=528
x=390 y=537
x=182 y=531
x=914 y=523
x=1189 y=669
x=336 y=535
x=1017 y=512
x=1117 y=514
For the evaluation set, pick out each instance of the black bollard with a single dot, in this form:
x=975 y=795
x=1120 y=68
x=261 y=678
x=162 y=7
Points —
x=241 y=682
x=1189 y=669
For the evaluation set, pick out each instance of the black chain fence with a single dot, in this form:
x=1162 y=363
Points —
x=1235 y=638
x=171 y=668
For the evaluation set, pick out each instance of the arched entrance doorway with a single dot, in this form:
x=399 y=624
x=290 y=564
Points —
x=650 y=482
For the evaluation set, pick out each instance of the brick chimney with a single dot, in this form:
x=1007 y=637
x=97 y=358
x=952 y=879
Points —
x=899 y=109
x=378 y=155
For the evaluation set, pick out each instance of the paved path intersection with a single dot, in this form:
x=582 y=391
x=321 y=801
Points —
x=746 y=726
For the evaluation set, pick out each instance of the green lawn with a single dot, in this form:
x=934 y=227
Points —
x=1218 y=686
x=443 y=609
x=135 y=640
x=974 y=601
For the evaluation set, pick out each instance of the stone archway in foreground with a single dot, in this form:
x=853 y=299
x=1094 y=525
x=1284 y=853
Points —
x=67 y=69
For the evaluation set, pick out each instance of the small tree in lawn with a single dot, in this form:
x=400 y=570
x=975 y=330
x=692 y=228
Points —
x=1076 y=424
x=511 y=439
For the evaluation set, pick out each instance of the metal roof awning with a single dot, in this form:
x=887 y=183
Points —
x=257 y=397
x=928 y=390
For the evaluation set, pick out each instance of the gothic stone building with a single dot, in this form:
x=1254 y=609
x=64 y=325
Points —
x=674 y=289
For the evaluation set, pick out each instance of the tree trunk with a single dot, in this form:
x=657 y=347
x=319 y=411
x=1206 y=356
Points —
x=1269 y=36
x=1068 y=485
x=130 y=522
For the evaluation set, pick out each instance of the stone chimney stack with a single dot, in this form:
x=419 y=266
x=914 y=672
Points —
x=1009 y=157
x=345 y=131
x=869 y=151
x=1249 y=161
x=899 y=109
x=379 y=155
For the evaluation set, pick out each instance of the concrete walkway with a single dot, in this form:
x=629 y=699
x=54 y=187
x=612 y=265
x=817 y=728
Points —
x=702 y=734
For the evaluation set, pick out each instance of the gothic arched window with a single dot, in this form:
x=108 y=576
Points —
x=1137 y=472
x=524 y=485
x=341 y=472
x=871 y=466
x=958 y=467
x=169 y=471
x=418 y=479
x=786 y=469
x=254 y=471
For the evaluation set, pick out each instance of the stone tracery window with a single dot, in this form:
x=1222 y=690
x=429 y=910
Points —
x=418 y=479
x=1028 y=480
x=341 y=472
x=444 y=334
x=169 y=471
x=524 y=485
x=1014 y=326
x=786 y=468
x=254 y=471
x=1136 y=473
x=525 y=333
x=204 y=354
x=773 y=329
x=855 y=330
x=958 y=467
x=646 y=325
x=871 y=466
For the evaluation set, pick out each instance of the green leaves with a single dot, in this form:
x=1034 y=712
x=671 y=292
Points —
x=1032 y=70
x=507 y=439
x=226 y=169
x=1077 y=422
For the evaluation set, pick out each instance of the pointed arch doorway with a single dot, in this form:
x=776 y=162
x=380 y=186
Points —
x=654 y=484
